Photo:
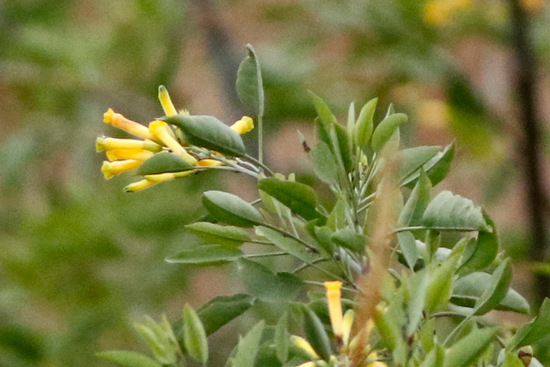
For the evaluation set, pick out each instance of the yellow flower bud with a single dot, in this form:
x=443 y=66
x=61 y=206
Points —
x=346 y=325
x=166 y=102
x=305 y=346
x=161 y=131
x=335 y=307
x=136 y=154
x=209 y=163
x=106 y=144
x=168 y=176
x=110 y=169
x=139 y=185
x=244 y=125
x=121 y=122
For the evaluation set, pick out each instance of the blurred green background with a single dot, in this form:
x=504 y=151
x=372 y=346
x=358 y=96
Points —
x=80 y=261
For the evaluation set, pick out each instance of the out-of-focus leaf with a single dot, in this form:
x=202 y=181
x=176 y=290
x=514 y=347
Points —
x=436 y=168
x=194 y=335
x=417 y=286
x=453 y=212
x=324 y=164
x=247 y=349
x=534 y=331
x=262 y=283
x=316 y=334
x=299 y=198
x=349 y=239
x=128 y=358
x=282 y=338
x=221 y=310
x=469 y=349
x=481 y=253
x=416 y=204
x=249 y=83
x=287 y=244
x=411 y=160
x=469 y=288
x=407 y=245
x=230 y=209
x=229 y=236
x=209 y=132
x=385 y=129
x=496 y=289
x=364 y=125
x=163 y=162
x=206 y=255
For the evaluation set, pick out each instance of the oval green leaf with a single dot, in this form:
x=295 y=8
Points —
x=364 y=125
x=229 y=236
x=230 y=209
x=164 y=162
x=210 y=133
x=249 y=83
x=385 y=129
x=194 y=336
x=206 y=255
x=470 y=348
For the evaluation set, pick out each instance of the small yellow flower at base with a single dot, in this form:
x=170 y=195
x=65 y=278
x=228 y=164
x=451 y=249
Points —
x=305 y=346
x=110 y=169
x=160 y=130
x=135 y=154
x=334 y=296
x=139 y=185
x=106 y=144
x=166 y=102
x=243 y=126
x=347 y=323
x=209 y=163
x=121 y=122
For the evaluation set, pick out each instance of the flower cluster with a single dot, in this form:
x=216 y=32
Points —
x=158 y=137
x=341 y=324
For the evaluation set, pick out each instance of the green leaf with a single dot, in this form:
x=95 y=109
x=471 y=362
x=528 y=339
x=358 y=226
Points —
x=350 y=127
x=364 y=125
x=229 y=236
x=262 y=283
x=349 y=239
x=435 y=358
x=469 y=288
x=249 y=83
x=221 y=310
x=441 y=282
x=417 y=286
x=160 y=338
x=326 y=117
x=436 y=168
x=512 y=360
x=128 y=359
x=163 y=162
x=470 y=348
x=282 y=338
x=407 y=245
x=210 y=133
x=411 y=160
x=299 y=198
x=537 y=329
x=316 y=334
x=412 y=212
x=206 y=255
x=481 y=253
x=324 y=163
x=230 y=209
x=453 y=212
x=385 y=129
x=248 y=347
x=287 y=244
x=496 y=290
x=194 y=336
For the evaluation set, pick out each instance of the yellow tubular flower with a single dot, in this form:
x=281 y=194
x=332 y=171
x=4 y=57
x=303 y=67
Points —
x=209 y=163
x=335 y=307
x=168 y=176
x=166 y=102
x=121 y=122
x=346 y=325
x=161 y=130
x=305 y=346
x=106 y=144
x=110 y=169
x=243 y=126
x=136 y=154
x=139 y=185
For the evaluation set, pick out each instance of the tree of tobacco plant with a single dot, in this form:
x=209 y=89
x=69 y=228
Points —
x=389 y=275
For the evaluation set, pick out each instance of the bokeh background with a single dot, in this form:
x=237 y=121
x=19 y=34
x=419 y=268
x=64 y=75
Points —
x=80 y=261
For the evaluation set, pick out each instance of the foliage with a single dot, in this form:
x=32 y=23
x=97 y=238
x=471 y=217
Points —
x=399 y=292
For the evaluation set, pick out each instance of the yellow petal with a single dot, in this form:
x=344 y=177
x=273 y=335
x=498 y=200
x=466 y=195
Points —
x=346 y=325
x=131 y=127
x=105 y=144
x=244 y=125
x=110 y=169
x=168 y=176
x=139 y=185
x=166 y=102
x=305 y=346
x=209 y=163
x=335 y=307
x=136 y=154
x=161 y=130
